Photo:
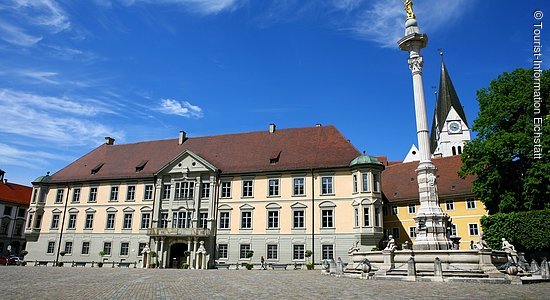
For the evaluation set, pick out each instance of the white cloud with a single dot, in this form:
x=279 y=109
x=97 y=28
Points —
x=204 y=7
x=44 y=13
x=346 y=5
x=28 y=159
x=56 y=120
x=17 y=36
x=383 y=22
x=180 y=108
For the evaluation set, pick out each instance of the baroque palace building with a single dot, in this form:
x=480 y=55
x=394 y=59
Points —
x=276 y=192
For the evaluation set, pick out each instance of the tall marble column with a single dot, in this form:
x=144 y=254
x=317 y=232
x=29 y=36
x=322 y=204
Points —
x=431 y=222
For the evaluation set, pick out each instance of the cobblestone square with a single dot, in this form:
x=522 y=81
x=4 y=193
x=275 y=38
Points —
x=122 y=283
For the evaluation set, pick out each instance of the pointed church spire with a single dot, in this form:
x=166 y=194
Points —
x=446 y=99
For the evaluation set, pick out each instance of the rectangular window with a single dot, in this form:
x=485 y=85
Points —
x=366 y=183
x=38 y=221
x=394 y=210
x=107 y=248
x=356 y=217
x=181 y=219
x=247 y=188
x=185 y=190
x=114 y=193
x=327 y=185
x=131 y=193
x=412 y=232
x=164 y=220
x=473 y=229
x=395 y=233
x=273 y=187
x=355 y=184
x=85 y=248
x=376 y=179
x=470 y=203
x=124 y=249
x=272 y=251
x=453 y=230
x=450 y=204
x=327 y=252
x=327 y=218
x=377 y=217
x=127 y=224
x=145 y=220
x=110 y=221
x=298 y=252
x=34 y=195
x=273 y=219
x=299 y=218
x=76 y=195
x=55 y=221
x=412 y=209
x=21 y=212
x=205 y=190
x=222 y=251
x=226 y=189
x=148 y=192
x=93 y=194
x=366 y=216
x=72 y=221
x=69 y=247
x=59 y=196
x=51 y=247
x=203 y=218
x=141 y=246
x=29 y=221
x=244 y=250
x=8 y=210
x=246 y=219
x=166 y=191
x=299 y=186
x=89 y=221
x=224 y=220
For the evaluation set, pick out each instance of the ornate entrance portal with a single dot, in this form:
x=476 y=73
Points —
x=177 y=255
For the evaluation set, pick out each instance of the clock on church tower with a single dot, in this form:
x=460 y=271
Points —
x=454 y=127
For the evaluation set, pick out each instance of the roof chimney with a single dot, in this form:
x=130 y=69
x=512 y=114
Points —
x=181 y=137
x=318 y=125
x=272 y=128
x=109 y=140
x=2 y=173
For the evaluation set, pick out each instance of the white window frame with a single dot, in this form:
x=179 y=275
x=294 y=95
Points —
x=450 y=205
x=327 y=185
x=273 y=187
x=298 y=183
x=225 y=189
x=470 y=201
x=412 y=209
x=248 y=188
x=473 y=226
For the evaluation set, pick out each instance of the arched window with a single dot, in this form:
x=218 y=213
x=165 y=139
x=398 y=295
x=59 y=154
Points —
x=454 y=150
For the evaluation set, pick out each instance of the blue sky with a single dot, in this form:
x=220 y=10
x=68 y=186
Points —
x=73 y=72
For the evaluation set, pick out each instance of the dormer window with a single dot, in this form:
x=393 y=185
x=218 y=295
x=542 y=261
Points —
x=141 y=165
x=96 y=168
x=274 y=158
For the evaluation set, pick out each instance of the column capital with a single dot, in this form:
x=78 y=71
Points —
x=416 y=64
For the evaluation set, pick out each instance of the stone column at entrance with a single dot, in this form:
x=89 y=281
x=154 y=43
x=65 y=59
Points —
x=194 y=253
x=200 y=262
x=431 y=222
x=162 y=263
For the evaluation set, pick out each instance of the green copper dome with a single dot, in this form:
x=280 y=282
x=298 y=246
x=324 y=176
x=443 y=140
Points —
x=43 y=179
x=364 y=160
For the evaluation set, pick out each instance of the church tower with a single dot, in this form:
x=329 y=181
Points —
x=450 y=130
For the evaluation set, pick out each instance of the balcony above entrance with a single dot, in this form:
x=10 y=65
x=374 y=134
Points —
x=179 y=232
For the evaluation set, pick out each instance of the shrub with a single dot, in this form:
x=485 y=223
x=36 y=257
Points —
x=184 y=265
x=310 y=266
x=249 y=254
x=528 y=231
x=248 y=266
x=100 y=264
x=308 y=253
x=60 y=264
x=23 y=263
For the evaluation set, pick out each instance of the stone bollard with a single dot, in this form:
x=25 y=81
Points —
x=340 y=266
x=113 y=265
x=544 y=270
x=534 y=268
x=438 y=270
x=332 y=266
x=411 y=268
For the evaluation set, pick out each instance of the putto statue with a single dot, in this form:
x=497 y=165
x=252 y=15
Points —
x=391 y=244
x=354 y=248
x=408 y=5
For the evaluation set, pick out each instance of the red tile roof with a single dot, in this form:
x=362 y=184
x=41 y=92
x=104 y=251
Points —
x=15 y=193
x=300 y=149
x=399 y=180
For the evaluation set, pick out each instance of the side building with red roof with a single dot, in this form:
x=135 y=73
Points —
x=456 y=199
x=14 y=202
x=204 y=201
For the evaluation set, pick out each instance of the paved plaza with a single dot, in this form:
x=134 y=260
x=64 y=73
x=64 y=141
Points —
x=122 y=283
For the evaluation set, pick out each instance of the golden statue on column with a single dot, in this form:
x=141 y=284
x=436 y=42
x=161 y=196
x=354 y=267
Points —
x=408 y=4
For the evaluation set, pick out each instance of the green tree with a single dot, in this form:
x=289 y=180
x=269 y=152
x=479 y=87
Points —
x=502 y=156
